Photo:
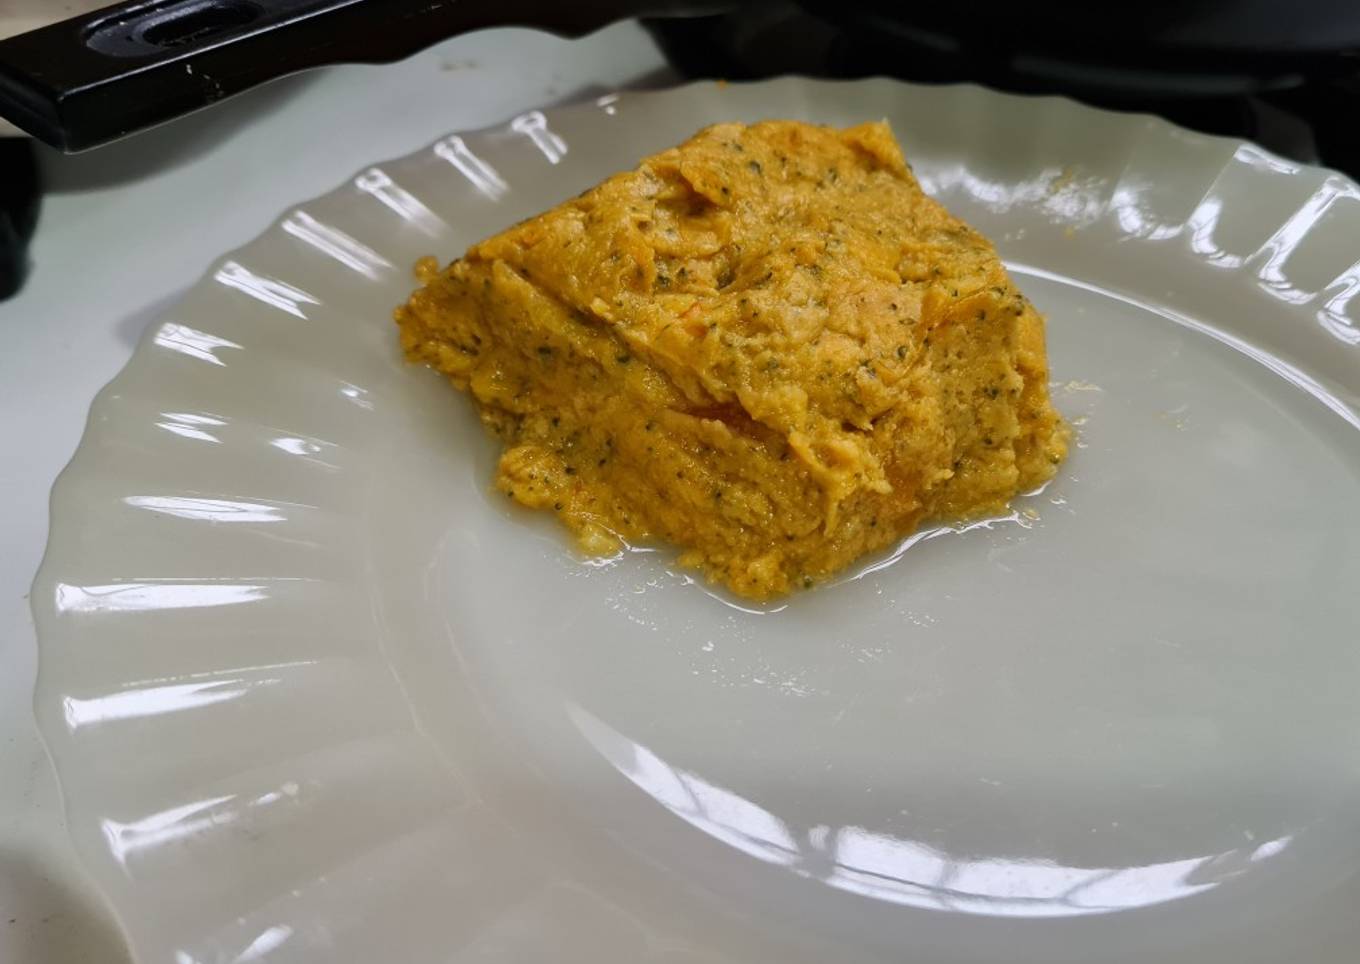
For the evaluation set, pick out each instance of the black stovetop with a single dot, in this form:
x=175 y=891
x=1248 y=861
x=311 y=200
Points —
x=1306 y=118
x=1313 y=120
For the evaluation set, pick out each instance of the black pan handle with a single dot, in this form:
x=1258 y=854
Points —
x=88 y=80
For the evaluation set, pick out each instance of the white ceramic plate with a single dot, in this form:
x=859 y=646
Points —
x=315 y=694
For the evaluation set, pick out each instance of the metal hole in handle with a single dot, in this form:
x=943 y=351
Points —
x=170 y=25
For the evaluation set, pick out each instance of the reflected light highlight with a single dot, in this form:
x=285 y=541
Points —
x=177 y=824
x=141 y=596
x=535 y=126
x=1281 y=245
x=276 y=294
x=189 y=691
x=191 y=426
x=335 y=243
x=395 y=198
x=1335 y=312
x=207 y=510
x=151 y=701
x=479 y=173
x=167 y=826
x=1290 y=373
x=269 y=940
x=1064 y=197
x=307 y=449
x=192 y=342
x=908 y=872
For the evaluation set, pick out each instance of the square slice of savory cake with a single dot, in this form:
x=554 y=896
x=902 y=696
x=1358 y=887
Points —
x=767 y=346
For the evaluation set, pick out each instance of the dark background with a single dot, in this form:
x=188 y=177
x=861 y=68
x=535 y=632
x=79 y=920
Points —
x=1282 y=73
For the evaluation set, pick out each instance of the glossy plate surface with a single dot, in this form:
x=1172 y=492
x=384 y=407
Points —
x=315 y=694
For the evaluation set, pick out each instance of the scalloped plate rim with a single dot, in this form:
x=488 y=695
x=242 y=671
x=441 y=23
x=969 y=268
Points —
x=48 y=686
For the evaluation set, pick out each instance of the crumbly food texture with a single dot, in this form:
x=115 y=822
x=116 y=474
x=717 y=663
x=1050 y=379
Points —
x=767 y=346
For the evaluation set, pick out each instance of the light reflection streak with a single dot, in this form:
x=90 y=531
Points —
x=165 y=826
x=177 y=824
x=357 y=395
x=207 y=510
x=718 y=812
x=1053 y=191
x=1014 y=517
x=913 y=873
x=908 y=872
x=396 y=198
x=305 y=448
x=268 y=940
x=727 y=601
x=1133 y=215
x=296 y=446
x=194 y=418
x=189 y=691
x=482 y=175
x=1263 y=160
x=535 y=126
x=1333 y=314
x=217 y=674
x=191 y=426
x=1280 y=367
x=189 y=432
x=1203 y=223
x=335 y=243
x=149 y=701
x=192 y=342
x=277 y=294
x=142 y=596
x=1064 y=197
x=1281 y=245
